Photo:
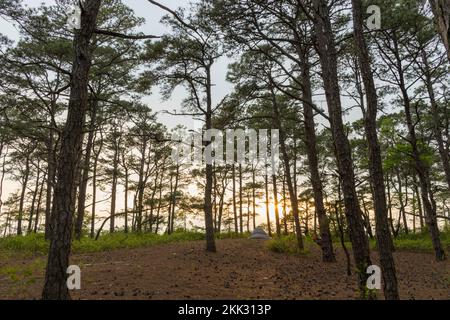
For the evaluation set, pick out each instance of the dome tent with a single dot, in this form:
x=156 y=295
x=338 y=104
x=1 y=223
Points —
x=259 y=234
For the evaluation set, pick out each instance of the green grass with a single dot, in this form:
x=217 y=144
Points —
x=418 y=242
x=35 y=243
x=421 y=242
x=286 y=244
x=23 y=274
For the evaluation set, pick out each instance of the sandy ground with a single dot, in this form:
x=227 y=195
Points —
x=241 y=269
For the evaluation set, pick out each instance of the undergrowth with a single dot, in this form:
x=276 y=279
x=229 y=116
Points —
x=36 y=243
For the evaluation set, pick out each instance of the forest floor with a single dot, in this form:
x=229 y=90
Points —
x=241 y=269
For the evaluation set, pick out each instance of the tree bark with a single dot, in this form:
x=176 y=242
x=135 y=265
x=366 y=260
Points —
x=38 y=209
x=420 y=167
x=233 y=171
x=266 y=185
x=313 y=161
x=275 y=203
x=445 y=157
x=23 y=194
x=115 y=177
x=94 y=187
x=55 y=287
x=35 y=196
x=85 y=178
x=174 y=198
x=241 y=200
x=287 y=169
x=2 y=176
x=285 y=213
x=384 y=239
x=51 y=172
x=441 y=11
x=209 y=223
x=254 y=197
x=328 y=58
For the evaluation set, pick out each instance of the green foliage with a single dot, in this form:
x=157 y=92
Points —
x=418 y=242
x=23 y=276
x=421 y=241
x=36 y=244
x=32 y=243
x=285 y=244
x=232 y=235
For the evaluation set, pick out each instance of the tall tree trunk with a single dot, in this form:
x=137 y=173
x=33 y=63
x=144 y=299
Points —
x=441 y=11
x=141 y=188
x=254 y=197
x=405 y=220
x=94 y=188
x=275 y=203
x=125 y=205
x=401 y=201
x=174 y=198
x=287 y=169
x=420 y=167
x=158 y=210
x=215 y=197
x=38 y=209
x=86 y=169
x=313 y=161
x=115 y=174
x=35 y=196
x=2 y=176
x=152 y=198
x=169 y=212
x=285 y=213
x=241 y=200
x=366 y=216
x=328 y=58
x=339 y=220
x=425 y=188
x=51 y=172
x=389 y=199
x=209 y=224
x=266 y=186
x=419 y=202
x=233 y=171
x=23 y=195
x=221 y=204
x=437 y=130
x=249 y=202
x=58 y=259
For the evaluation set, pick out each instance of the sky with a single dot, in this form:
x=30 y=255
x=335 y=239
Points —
x=153 y=15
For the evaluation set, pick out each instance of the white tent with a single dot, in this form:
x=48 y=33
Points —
x=259 y=233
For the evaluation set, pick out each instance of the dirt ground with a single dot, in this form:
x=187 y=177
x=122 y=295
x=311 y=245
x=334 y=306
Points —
x=241 y=269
